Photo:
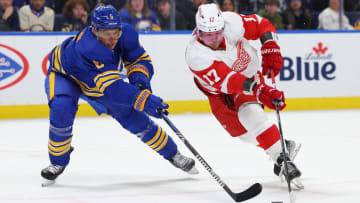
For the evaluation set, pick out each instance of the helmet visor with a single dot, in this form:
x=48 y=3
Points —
x=211 y=37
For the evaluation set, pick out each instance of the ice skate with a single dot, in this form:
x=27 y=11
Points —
x=51 y=172
x=293 y=148
x=184 y=163
x=293 y=174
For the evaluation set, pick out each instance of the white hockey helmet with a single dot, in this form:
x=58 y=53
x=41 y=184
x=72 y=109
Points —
x=209 y=18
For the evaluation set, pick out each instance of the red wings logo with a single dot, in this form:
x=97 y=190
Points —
x=243 y=59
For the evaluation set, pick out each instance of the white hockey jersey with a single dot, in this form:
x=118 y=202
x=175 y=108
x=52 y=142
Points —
x=224 y=70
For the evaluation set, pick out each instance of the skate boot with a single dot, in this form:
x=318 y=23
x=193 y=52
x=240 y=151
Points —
x=51 y=172
x=184 y=163
x=293 y=174
x=293 y=148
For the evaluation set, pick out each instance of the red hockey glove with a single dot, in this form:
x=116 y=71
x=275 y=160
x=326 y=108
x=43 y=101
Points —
x=269 y=96
x=271 y=58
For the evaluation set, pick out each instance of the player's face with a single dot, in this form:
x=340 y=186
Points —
x=109 y=37
x=212 y=39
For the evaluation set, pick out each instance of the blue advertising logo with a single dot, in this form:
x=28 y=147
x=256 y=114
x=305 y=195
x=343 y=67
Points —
x=312 y=66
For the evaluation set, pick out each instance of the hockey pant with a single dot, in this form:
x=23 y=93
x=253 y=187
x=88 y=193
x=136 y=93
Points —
x=248 y=122
x=63 y=95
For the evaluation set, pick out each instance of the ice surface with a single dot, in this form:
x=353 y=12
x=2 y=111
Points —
x=111 y=165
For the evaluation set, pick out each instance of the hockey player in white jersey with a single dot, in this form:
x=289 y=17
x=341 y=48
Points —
x=226 y=69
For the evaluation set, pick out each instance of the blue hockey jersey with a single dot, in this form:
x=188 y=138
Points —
x=93 y=66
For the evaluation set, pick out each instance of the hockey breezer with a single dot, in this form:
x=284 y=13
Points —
x=249 y=193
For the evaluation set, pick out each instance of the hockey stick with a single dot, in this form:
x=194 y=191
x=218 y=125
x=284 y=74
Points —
x=238 y=197
x=283 y=153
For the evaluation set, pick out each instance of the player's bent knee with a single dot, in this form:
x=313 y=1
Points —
x=253 y=118
x=62 y=111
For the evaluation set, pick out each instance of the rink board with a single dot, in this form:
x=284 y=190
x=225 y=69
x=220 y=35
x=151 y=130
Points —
x=320 y=71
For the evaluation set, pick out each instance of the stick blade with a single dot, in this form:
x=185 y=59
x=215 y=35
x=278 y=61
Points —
x=292 y=197
x=249 y=193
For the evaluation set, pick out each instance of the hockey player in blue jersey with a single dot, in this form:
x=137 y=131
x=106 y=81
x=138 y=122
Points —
x=87 y=66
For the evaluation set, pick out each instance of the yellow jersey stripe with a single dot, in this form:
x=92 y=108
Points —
x=155 y=137
x=59 y=153
x=59 y=59
x=138 y=68
x=102 y=78
x=79 y=36
x=144 y=57
x=109 y=82
x=56 y=61
x=55 y=144
x=163 y=144
x=161 y=139
x=106 y=73
x=141 y=100
x=58 y=149
x=51 y=85
x=94 y=92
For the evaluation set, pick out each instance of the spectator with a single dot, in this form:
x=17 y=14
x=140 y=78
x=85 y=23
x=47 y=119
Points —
x=297 y=17
x=329 y=18
x=138 y=14
x=357 y=24
x=308 y=4
x=9 y=19
x=58 y=5
x=270 y=12
x=256 y=5
x=351 y=5
x=320 y=5
x=75 y=16
x=188 y=9
x=163 y=13
x=36 y=17
x=227 y=5
x=152 y=4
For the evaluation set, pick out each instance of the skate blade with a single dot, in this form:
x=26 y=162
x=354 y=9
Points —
x=296 y=150
x=47 y=183
x=296 y=184
x=193 y=171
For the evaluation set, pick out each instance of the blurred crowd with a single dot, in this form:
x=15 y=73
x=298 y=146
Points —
x=155 y=15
